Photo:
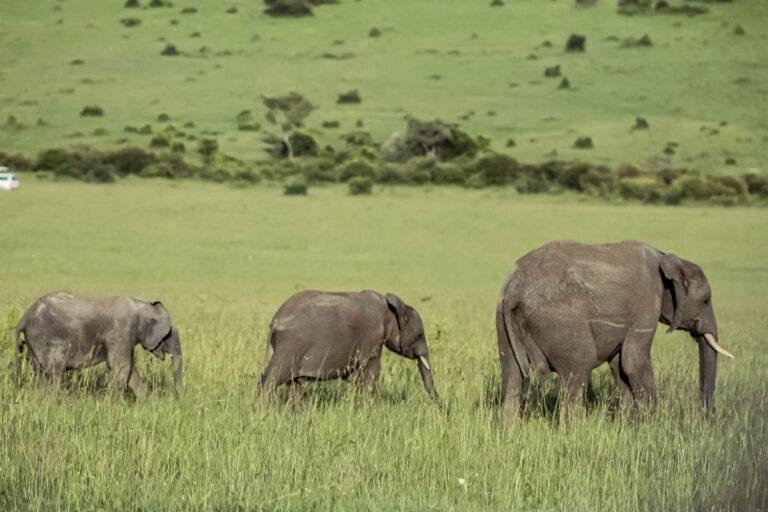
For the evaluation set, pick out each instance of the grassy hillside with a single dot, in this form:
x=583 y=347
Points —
x=222 y=259
x=700 y=85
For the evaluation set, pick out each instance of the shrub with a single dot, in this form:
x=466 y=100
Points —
x=391 y=173
x=644 y=188
x=437 y=138
x=448 y=173
x=287 y=8
x=360 y=185
x=576 y=43
x=170 y=50
x=295 y=186
x=15 y=162
x=129 y=160
x=356 y=168
x=496 y=169
x=159 y=141
x=693 y=187
x=317 y=170
x=248 y=176
x=100 y=173
x=349 y=97
x=583 y=143
x=420 y=170
x=598 y=181
x=728 y=185
x=92 y=110
x=207 y=148
x=756 y=184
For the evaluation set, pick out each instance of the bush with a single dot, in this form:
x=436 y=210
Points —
x=287 y=8
x=159 y=141
x=129 y=160
x=92 y=111
x=352 y=97
x=392 y=174
x=430 y=138
x=448 y=173
x=756 y=184
x=644 y=188
x=420 y=170
x=295 y=186
x=356 y=168
x=360 y=185
x=496 y=169
x=16 y=162
x=693 y=187
x=598 y=181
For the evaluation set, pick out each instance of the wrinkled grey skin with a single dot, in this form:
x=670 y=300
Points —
x=330 y=335
x=64 y=331
x=570 y=307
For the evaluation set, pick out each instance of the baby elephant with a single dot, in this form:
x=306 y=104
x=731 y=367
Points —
x=330 y=335
x=64 y=331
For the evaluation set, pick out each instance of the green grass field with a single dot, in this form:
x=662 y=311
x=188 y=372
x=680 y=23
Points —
x=222 y=259
x=699 y=85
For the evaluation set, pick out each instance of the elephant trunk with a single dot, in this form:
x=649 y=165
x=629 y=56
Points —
x=173 y=347
x=707 y=374
x=177 y=378
x=426 y=375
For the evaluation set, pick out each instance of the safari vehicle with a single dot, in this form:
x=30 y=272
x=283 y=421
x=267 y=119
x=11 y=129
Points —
x=8 y=180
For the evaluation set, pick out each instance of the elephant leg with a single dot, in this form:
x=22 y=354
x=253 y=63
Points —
x=137 y=385
x=513 y=383
x=120 y=365
x=366 y=378
x=620 y=379
x=636 y=364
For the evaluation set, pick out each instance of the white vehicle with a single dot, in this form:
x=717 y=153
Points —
x=8 y=180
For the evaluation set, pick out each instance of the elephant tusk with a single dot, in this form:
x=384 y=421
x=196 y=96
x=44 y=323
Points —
x=426 y=363
x=717 y=348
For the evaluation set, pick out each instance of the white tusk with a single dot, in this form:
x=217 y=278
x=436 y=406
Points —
x=713 y=343
x=426 y=364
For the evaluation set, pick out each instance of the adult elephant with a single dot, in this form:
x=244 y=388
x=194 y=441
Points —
x=569 y=307
x=318 y=335
x=64 y=331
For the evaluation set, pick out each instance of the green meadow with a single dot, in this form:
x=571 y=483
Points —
x=222 y=259
x=700 y=85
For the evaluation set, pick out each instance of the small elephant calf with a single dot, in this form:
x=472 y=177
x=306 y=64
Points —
x=64 y=331
x=319 y=335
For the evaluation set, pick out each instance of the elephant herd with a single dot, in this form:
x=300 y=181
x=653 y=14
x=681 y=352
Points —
x=567 y=308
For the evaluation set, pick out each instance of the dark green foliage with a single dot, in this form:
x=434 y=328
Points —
x=576 y=43
x=129 y=160
x=159 y=141
x=437 y=138
x=170 y=50
x=496 y=169
x=246 y=122
x=552 y=71
x=757 y=184
x=295 y=186
x=352 y=97
x=583 y=143
x=207 y=148
x=132 y=3
x=331 y=124
x=130 y=22
x=163 y=118
x=645 y=188
x=356 y=168
x=15 y=162
x=92 y=110
x=630 y=7
x=374 y=32
x=360 y=185
x=288 y=8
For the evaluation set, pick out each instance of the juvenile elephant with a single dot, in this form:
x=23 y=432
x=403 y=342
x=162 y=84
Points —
x=64 y=331
x=570 y=307
x=330 y=335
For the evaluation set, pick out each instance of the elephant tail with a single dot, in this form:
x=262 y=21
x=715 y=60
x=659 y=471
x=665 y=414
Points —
x=269 y=349
x=507 y=331
x=21 y=328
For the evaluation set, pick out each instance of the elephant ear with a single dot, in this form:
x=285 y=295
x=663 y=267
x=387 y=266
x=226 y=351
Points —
x=673 y=269
x=397 y=306
x=156 y=324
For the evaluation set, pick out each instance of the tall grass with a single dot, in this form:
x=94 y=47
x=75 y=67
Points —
x=223 y=259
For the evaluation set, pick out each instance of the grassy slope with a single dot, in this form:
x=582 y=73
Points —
x=697 y=74
x=223 y=259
